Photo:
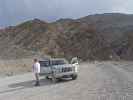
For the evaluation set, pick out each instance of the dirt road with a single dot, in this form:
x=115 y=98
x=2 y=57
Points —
x=99 y=81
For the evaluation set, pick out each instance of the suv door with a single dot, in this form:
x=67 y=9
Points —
x=45 y=67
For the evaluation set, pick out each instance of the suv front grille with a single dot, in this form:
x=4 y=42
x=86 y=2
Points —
x=68 y=69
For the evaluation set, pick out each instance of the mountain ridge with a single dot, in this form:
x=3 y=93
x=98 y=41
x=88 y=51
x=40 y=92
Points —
x=94 y=37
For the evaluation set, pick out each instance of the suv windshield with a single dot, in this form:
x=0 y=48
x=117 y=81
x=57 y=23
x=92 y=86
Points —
x=58 y=62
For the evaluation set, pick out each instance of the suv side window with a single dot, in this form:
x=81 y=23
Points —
x=44 y=63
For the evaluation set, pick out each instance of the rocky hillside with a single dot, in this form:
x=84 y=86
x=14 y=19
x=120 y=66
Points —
x=94 y=37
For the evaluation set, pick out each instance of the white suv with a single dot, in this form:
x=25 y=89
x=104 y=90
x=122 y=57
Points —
x=56 y=69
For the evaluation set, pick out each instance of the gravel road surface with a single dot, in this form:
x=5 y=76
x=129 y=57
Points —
x=96 y=81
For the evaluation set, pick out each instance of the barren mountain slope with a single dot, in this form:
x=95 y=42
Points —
x=94 y=37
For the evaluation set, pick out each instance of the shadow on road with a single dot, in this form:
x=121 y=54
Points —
x=26 y=84
x=29 y=84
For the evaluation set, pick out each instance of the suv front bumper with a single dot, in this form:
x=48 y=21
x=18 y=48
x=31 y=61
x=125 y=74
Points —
x=61 y=75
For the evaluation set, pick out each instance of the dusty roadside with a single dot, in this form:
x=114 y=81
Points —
x=15 y=67
x=96 y=81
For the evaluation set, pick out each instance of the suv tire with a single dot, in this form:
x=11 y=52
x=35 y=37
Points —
x=55 y=80
x=74 y=76
x=47 y=77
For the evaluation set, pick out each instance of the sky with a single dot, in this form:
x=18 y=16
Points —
x=13 y=12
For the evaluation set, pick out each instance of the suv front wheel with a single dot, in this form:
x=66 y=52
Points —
x=55 y=79
x=74 y=76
